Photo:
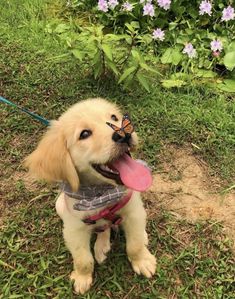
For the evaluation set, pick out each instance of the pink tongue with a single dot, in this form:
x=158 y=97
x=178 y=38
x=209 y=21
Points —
x=133 y=174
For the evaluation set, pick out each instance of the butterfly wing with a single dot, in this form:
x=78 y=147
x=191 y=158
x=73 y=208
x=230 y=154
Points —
x=127 y=126
x=118 y=130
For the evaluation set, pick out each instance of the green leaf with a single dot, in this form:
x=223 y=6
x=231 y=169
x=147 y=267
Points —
x=167 y=56
x=97 y=58
x=143 y=81
x=131 y=29
x=182 y=39
x=127 y=73
x=98 y=67
x=227 y=85
x=115 y=37
x=181 y=76
x=128 y=40
x=205 y=73
x=97 y=70
x=78 y=54
x=108 y=51
x=172 y=83
x=135 y=24
x=148 y=68
x=146 y=39
x=229 y=60
x=231 y=47
x=176 y=57
x=173 y=25
x=136 y=55
x=113 y=67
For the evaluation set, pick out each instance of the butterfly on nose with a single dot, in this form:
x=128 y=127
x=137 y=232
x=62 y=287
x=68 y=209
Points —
x=123 y=134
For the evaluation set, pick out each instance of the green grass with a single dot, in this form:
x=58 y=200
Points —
x=194 y=261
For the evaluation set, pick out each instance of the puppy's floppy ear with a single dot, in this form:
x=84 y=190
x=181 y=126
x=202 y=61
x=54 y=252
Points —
x=51 y=160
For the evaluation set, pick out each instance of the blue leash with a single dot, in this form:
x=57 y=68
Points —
x=35 y=116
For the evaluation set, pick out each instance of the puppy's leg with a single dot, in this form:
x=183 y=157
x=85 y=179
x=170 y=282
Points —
x=143 y=262
x=78 y=242
x=102 y=246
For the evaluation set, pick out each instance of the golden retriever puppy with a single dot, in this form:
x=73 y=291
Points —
x=87 y=150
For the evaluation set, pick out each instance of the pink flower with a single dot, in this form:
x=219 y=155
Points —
x=189 y=50
x=127 y=6
x=148 y=10
x=112 y=3
x=165 y=4
x=228 y=14
x=216 y=45
x=205 y=8
x=158 y=34
x=103 y=5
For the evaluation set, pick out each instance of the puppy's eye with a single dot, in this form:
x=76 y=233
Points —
x=85 y=134
x=114 y=117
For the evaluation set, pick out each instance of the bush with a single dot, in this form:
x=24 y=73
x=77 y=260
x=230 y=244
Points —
x=132 y=40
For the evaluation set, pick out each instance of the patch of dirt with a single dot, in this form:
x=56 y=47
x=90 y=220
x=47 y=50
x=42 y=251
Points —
x=29 y=183
x=185 y=187
x=16 y=183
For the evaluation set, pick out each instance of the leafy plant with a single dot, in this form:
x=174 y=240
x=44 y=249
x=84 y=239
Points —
x=129 y=37
x=107 y=53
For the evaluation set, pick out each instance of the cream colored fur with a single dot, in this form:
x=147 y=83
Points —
x=61 y=156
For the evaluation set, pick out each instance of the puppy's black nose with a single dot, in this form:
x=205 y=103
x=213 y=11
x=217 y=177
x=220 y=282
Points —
x=119 y=139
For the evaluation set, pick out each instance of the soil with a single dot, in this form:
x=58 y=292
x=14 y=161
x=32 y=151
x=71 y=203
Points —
x=185 y=187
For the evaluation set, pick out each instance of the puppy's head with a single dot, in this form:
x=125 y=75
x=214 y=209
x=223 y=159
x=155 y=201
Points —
x=80 y=147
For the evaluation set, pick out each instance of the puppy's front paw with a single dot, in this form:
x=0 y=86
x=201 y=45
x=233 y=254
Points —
x=145 y=264
x=82 y=283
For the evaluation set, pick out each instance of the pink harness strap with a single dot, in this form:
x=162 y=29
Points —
x=108 y=214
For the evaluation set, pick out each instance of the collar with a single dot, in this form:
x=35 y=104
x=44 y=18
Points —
x=109 y=214
x=94 y=196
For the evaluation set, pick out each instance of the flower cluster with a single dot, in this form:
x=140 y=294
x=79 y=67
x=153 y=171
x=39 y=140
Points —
x=112 y=3
x=158 y=34
x=216 y=48
x=228 y=14
x=165 y=4
x=127 y=6
x=149 y=8
x=205 y=7
x=190 y=51
x=216 y=45
x=104 y=5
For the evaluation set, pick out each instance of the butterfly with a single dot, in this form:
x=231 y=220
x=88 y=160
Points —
x=126 y=128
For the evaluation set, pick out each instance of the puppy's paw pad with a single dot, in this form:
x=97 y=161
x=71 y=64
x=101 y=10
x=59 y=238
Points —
x=82 y=283
x=145 y=265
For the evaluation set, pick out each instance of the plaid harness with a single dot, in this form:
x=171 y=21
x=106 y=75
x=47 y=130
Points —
x=97 y=196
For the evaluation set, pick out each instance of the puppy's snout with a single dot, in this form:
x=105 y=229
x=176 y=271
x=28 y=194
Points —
x=119 y=139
